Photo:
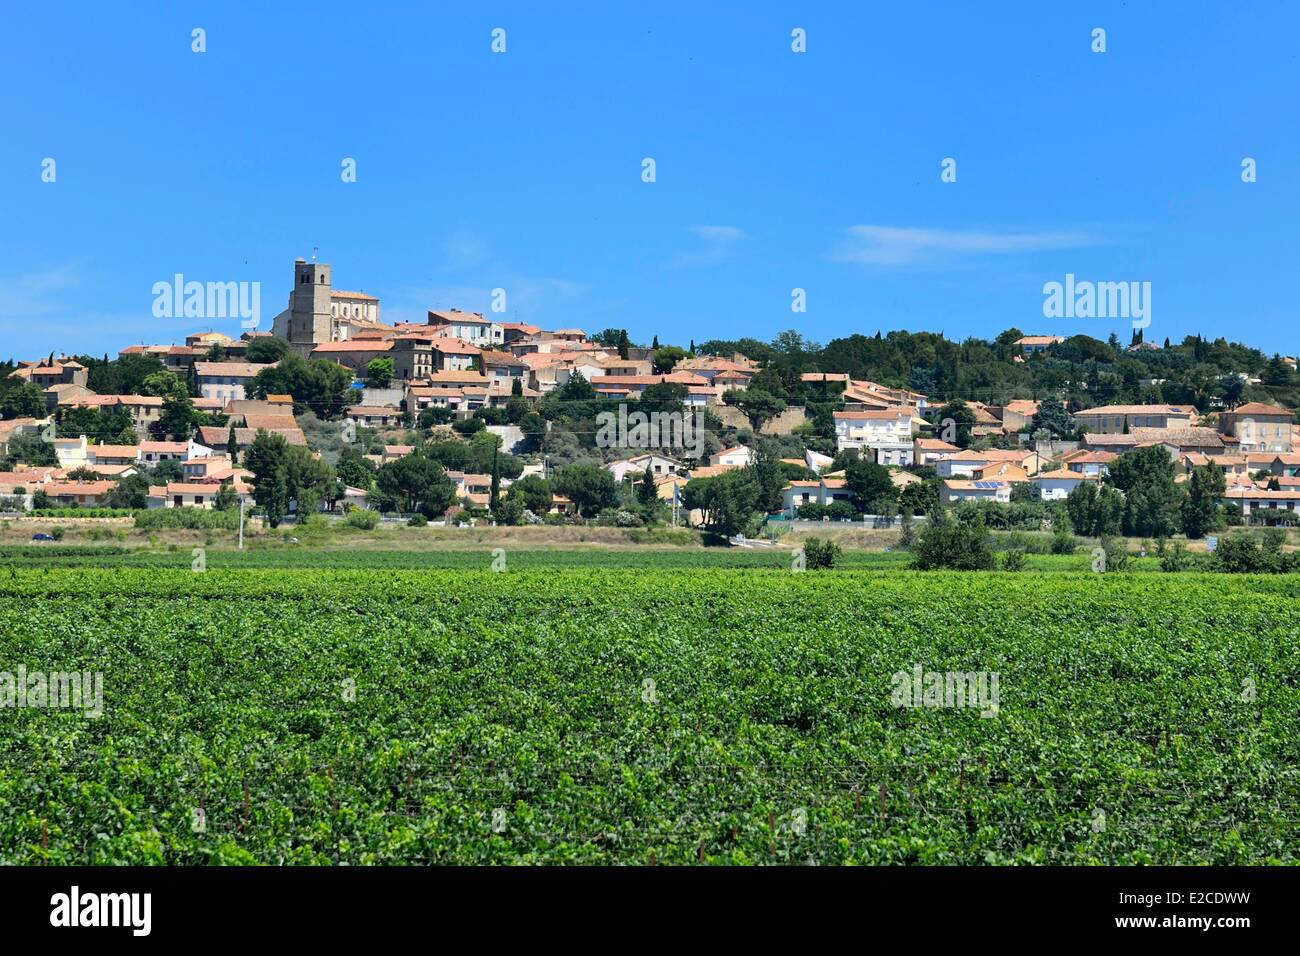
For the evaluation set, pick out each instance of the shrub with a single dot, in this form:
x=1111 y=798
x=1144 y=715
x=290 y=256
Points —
x=195 y=519
x=363 y=519
x=945 y=543
x=819 y=554
x=908 y=537
x=1013 y=559
x=1242 y=553
x=417 y=521
x=1063 y=542
x=1114 y=554
x=1176 y=558
x=841 y=511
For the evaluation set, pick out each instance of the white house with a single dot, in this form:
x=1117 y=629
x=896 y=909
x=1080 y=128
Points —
x=1265 y=507
x=659 y=464
x=225 y=381
x=886 y=431
x=966 y=463
x=1057 y=485
x=958 y=489
x=816 y=462
x=822 y=492
x=740 y=456
x=468 y=327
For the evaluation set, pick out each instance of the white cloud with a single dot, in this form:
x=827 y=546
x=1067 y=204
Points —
x=717 y=243
x=463 y=251
x=906 y=245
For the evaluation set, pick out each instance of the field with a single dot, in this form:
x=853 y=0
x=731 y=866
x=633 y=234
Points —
x=598 y=711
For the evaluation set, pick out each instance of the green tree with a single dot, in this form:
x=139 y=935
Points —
x=355 y=469
x=956 y=545
x=21 y=399
x=226 y=498
x=177 y=420
x=1053 y=417
x=1152 y=498
x=317 y=385
x=1095 y=509
x=769 y=477
x=647 y=493
x=418 y=483
x=265 y=458
x=728 y=502
x=591 y=488
x=758 y=406
x=870 y=486
x=955 y=421
x=535 y=493
x=266 y=350
x=130 y=492
x=666 y=358
x=1200 y=511
x=379 y=373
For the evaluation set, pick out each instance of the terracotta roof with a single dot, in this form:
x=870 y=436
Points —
x=1138 y=410
x=114 y=451
x=456 y=316
x=1063 y=474
x=230 y=369
x=354 y=345
x=878 y=414
x=1260 y=408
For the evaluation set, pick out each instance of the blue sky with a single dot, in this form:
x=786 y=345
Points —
x=775 y=170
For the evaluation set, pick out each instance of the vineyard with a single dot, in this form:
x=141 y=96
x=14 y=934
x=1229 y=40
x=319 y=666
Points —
x=590 y=714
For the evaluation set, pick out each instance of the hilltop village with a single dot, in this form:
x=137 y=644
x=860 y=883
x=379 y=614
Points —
x=468 y=417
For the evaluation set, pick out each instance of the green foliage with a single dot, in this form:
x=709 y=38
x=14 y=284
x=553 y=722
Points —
x=1063 y=542
x=591 y=488
x=1246 y=553
x=1095 y=509
x=1151 y=498
x=1053 y=417
x=1013 y=559
x=1200 y=511
x=870 y=487
x=819 y=554
x=947 y=543
x=1114 y=555
x=130 y=492
x=362 y=518
x=667 y=357
x=318 y=385
x=787 y=695
x=757 y=405
x=729 y=501
x=533 y=492
x=161 y=519
x=379 y=373
x=266 y=350
x=419 y=483
x=1177 y=558
x=20 y=399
